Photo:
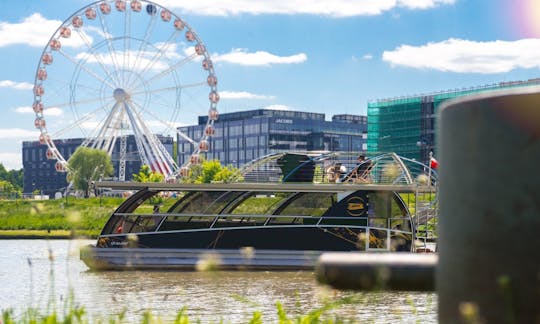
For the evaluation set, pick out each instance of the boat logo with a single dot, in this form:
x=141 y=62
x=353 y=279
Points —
x=356 y=206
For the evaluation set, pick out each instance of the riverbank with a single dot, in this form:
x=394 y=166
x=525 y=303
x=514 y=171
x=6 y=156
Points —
x=55 y=219
x=46 y=234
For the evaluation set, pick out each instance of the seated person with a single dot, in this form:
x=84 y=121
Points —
x=361 y=172
x=334 y=172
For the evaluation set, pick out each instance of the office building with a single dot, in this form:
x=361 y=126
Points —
x=243 y=136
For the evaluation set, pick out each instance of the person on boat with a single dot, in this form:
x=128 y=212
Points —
x=361 y=172
x=335 y=172
x=331 y=174
x=363 y=169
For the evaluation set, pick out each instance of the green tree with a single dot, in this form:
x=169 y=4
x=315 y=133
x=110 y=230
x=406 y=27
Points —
x=87 y=165
x=228 y=174
x=212 y=171
x=209 y=170
x=15 y=177
x=7 y=189
x=147 y=175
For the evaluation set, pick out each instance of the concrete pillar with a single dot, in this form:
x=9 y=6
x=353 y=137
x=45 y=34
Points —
x=489 y=243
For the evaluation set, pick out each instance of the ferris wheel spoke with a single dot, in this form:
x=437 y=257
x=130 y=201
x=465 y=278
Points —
x=156 y=149
x=157 y=55
x=92 y=52
x=143 y=46
x=87 y=70
x=192 y=85
x=184 y=136
x=77 y=123
x=100 y=141
x=127 y=39
x=140 y=138
x=172 y=68
x=93 y=135
x=110 y=46
x=91 y=91
x=79 y=102
x=141 y=110
x=161 y=103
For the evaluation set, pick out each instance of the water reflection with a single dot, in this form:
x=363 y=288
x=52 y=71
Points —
x=30 y=277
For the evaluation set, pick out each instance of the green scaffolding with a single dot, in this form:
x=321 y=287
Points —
x=407 y=125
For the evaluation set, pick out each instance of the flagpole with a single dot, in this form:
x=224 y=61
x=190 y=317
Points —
x=429 y=168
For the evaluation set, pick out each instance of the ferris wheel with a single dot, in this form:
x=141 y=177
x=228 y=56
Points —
x=116 y=69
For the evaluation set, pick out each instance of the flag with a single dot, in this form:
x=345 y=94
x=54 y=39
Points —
x=434 y=164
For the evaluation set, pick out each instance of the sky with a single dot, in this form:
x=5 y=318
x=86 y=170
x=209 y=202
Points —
x=323 y=56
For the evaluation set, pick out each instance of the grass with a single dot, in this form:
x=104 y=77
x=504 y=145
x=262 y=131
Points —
x=55 y=218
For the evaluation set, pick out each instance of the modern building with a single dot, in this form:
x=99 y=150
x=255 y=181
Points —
x=39 y=173
x=406 y=125
x=243 y=136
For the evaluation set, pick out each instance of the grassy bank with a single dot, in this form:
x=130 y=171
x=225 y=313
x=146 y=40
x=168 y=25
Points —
x=76 y=217
x=55 y=218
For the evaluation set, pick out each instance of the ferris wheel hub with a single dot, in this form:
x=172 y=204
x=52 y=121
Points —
x=120 y=95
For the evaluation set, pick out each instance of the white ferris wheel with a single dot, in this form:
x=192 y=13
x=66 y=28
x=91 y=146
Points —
x=124 y=68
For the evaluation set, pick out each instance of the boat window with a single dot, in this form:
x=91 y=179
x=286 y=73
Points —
x=252 y=209
x=136 y=223
x=205 y=202
x=260 y=203
x=310 y=204
x=160 y=202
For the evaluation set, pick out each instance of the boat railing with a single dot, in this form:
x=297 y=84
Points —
x=141 y=222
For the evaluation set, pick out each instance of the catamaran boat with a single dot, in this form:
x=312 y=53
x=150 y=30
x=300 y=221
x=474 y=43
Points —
x=282 y=213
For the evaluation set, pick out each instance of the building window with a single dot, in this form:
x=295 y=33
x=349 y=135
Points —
x=251 y=141
x=218 y=144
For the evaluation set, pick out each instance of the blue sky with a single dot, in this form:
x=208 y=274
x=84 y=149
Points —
x=308 y=55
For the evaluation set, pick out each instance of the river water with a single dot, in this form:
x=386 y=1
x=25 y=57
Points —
x=42 y=273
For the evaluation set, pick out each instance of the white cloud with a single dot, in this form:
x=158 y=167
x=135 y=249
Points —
x=242 y=57
x=367 y=57
x=24 y=110
x=279 y=107
x=11 y=160
x=53 y=111
x=423 y=4
x=88 y=125
x=18 y=133
x=35 y=30
x=16 y=85
x=465 y=56
x=335 y=8
x=242 y=95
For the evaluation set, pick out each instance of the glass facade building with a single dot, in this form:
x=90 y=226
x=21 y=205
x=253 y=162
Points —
x=39 y=173
x=407 y=125
x=244 y=136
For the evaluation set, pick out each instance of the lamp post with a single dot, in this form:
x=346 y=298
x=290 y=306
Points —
x=425 y=143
